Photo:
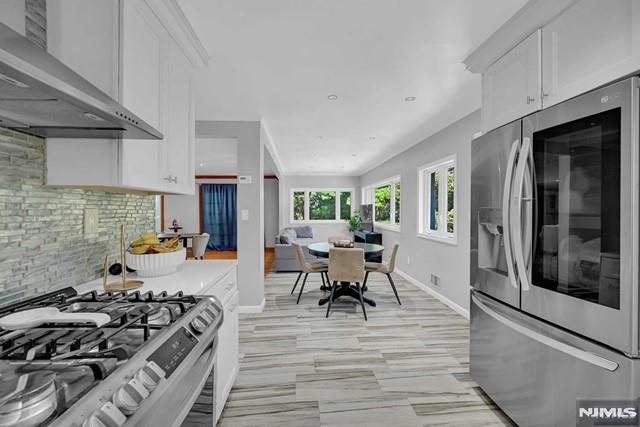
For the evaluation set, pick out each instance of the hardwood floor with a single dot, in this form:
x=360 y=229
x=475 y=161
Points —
x=269 y=257
x=406 y=366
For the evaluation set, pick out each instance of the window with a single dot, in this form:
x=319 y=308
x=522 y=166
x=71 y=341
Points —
x=324 y=205
x=437 y=195
x=385 y=197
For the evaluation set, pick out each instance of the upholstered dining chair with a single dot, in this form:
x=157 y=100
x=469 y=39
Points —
x=346 y=265
x=199 y=245
x=385 y=267
x=306 y=268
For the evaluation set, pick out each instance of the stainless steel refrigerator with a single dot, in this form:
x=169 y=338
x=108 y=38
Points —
x=554 y=257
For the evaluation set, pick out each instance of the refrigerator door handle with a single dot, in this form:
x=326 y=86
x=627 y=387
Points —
x=506 y=216
x=521 y=247
x=571 y=350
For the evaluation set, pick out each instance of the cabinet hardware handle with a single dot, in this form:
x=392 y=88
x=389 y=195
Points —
x=168 y=178
x=530 y=100
x=544 y=95
x=175 y=180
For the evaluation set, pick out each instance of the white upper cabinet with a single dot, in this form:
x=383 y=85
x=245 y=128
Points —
x=143 y=79
x=573 y=47
x=179 y=153
x=12 y=14
x=591 y=44
x=511 y=85
x=139 y=52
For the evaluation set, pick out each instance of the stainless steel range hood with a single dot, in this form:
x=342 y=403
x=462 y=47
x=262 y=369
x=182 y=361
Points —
x=40 y=95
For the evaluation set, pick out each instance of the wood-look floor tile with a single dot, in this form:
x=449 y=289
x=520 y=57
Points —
x=406 y=366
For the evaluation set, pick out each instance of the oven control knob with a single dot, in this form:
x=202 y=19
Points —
x=198 y=324
x=206 y=315
x=150 y=375
x=129 y=397
x=107 y=416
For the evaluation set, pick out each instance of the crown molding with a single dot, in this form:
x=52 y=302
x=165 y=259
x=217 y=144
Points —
x=179 y=28
x=532 y=16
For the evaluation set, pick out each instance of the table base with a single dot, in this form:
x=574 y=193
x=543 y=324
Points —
x=346 y=289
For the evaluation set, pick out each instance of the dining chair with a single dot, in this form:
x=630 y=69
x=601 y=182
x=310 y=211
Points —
x=307 y=268
x=346 y=265
x=384 y=267
x=199 y=245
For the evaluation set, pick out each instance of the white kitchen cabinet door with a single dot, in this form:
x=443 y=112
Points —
x=591 y=44
x=511 y=86
x=180 y=129
x=228 y=353
x=143 y=78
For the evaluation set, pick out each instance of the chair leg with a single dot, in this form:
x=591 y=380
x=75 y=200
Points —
x=333 y=288
x=361 y=301
x=323 y=282
x=364 y=284
x=302 y=287
x=296 y=284
x=393 y=286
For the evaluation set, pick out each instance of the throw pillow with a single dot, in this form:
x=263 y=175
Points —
x=305 y=232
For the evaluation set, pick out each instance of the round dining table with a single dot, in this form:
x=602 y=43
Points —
x=371 y=251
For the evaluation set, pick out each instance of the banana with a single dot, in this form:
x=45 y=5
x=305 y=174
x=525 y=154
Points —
x=140 y=249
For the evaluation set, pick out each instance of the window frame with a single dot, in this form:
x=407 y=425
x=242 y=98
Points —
x=306 y=192
x=368 y=197
x=424 y=200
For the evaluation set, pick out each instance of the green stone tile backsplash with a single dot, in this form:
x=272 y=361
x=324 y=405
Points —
x=42 y=242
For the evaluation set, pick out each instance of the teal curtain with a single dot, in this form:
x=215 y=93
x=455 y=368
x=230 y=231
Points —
x=219 y=215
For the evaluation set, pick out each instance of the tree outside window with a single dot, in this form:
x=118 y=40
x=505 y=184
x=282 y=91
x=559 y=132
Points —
x=298 y=206
x=383 y=204
x=345 y=205
x=322 y=205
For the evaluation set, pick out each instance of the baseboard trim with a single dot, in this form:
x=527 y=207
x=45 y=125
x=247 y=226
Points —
x=418 y=284
x=252 y=309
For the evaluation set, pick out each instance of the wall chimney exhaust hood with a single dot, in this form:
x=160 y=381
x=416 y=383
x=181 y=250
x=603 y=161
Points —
x=41 y=96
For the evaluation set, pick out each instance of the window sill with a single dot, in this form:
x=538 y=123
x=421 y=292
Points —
x=389 y=227
x=453 y=241
x=318 y=221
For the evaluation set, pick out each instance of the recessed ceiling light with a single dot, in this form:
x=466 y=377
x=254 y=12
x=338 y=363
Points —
x=410 y=98
x=320 y=137
x=372 y=138
x=354 y=155
x=201 y=165
x=332 y=97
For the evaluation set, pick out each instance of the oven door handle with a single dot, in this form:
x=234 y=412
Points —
x=523 y=184
x=558 y=345
x=506 y=210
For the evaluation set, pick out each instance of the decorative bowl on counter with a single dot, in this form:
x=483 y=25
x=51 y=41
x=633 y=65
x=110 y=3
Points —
x=153 y=265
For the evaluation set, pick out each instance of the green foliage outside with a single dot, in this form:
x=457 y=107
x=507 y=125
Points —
x=345 y=205
x=397 y=213
x=322 y=205
x=382 y=204
x=451 y=210
x=298 y=206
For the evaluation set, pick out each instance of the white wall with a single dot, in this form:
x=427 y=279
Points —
x=321 y=231
x=417 y=256
x=271 y=211
x=185 y=210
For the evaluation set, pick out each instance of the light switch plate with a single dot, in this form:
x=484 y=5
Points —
x=90 y=221
x=244 y=214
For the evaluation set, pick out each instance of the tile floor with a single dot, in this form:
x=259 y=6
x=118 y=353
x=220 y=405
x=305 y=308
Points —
x=406 y=366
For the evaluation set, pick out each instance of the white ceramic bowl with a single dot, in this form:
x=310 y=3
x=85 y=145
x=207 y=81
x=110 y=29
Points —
x=153 y=265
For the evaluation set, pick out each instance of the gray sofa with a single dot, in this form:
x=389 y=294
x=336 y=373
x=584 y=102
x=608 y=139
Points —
x=285 y=256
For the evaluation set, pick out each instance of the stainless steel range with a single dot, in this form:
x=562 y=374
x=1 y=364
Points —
x=108 y=359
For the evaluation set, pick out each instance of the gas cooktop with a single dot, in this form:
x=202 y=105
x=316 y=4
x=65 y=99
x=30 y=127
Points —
x=56 y=352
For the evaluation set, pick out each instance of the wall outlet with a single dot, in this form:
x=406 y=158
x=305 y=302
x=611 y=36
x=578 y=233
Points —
x=435 y=280
x=90 y=221
x=244 y=214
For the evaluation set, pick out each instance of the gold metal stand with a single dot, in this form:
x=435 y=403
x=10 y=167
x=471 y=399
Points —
x=124 y=284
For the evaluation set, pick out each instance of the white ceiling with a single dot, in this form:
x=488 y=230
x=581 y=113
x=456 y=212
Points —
x=278 y=60
x=219 y=156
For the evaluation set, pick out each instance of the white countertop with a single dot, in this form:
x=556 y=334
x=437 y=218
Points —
x=192 y=277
